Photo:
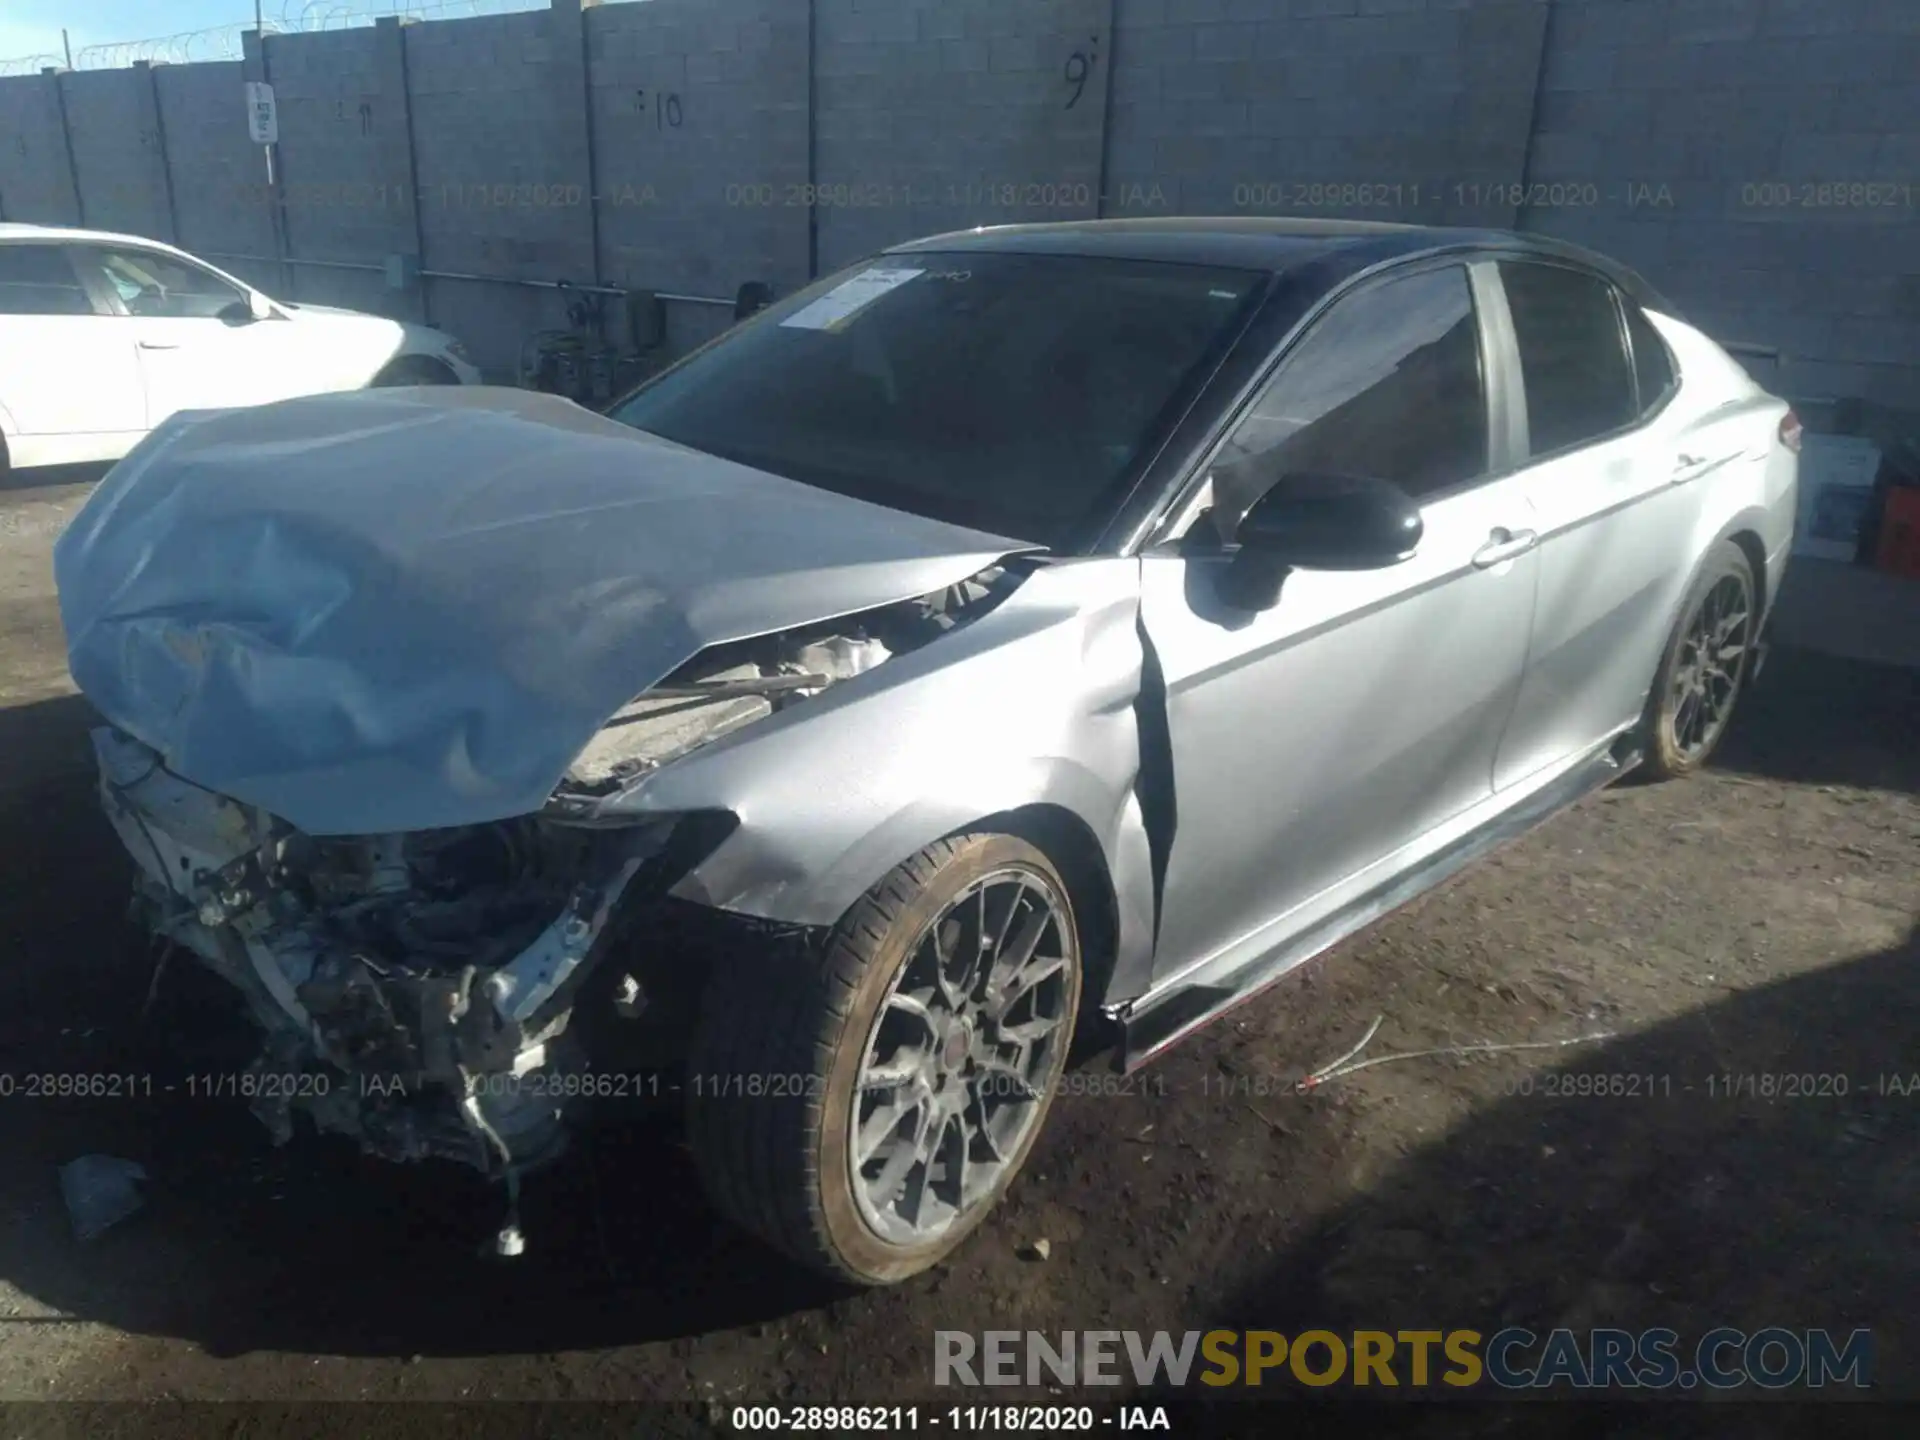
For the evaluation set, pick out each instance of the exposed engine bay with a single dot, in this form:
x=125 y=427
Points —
x=417 y=990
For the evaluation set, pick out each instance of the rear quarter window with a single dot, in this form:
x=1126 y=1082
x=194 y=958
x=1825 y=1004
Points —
x=1653 y=373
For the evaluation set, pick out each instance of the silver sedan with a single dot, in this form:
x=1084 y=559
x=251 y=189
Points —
x=1027 y=636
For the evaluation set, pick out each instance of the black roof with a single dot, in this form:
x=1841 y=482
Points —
x=1339 y=248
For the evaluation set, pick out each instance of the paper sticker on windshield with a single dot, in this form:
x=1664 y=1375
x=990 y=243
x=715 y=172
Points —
x=849 y=298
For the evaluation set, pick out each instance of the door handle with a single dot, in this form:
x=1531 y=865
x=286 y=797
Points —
x=159 y=345
x=1504 y=545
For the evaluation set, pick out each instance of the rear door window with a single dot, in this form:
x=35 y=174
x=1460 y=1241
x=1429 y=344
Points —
x=1573 y=355
x=39 y=280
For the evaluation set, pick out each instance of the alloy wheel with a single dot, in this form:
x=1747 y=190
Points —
x=1706 y=676
x=960 y=1056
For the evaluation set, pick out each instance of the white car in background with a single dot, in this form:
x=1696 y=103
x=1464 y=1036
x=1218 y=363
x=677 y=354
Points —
x=104 y=336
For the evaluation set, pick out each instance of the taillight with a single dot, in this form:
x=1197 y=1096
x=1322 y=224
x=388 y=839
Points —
x=1790 y=431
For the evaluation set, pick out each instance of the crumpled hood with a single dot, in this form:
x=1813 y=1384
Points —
x=405 y=609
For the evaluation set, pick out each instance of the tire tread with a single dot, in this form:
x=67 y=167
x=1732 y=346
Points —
x=785 y=1015
x=1658 y=763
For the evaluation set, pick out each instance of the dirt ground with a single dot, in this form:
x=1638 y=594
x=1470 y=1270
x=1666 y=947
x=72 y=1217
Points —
x=1758 y=921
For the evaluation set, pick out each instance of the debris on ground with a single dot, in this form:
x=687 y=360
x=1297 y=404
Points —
x=100 y=1191
x=1348 y=1064
x=1272 y=1124
x=1038 y=1250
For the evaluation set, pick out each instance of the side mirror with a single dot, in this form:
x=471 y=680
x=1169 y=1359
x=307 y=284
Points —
x=1332 y=522
x=244 y=312
x=1320 y=522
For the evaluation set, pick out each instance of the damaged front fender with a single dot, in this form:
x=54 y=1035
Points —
x=832 y=794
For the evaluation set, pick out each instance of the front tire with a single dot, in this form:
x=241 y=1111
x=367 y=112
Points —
x=1705 y=667
x=863 y=1107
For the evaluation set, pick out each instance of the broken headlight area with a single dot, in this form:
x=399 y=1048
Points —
x=425 y=981
x=728 y=687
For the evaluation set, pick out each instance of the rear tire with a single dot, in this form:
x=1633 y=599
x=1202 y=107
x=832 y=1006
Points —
x=415 y=370
x=1704 y=669
x=862 y=1107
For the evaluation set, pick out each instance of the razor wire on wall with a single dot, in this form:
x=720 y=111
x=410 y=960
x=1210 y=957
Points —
x=282 y=17
x=30 y=64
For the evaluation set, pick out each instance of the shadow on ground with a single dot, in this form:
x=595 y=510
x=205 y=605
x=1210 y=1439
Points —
x=44 y=475
x=1680 y=1206
x=1815 y=719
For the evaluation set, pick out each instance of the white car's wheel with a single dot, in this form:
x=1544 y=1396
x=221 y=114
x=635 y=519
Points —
x=416 y=370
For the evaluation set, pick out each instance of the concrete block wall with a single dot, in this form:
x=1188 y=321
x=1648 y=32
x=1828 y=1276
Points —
x=1401 y=110
x=1759 y=160
x=699 y=111
x=503 y=174
x=113 y=124
x=36 y=177
x=1724 y=147
x=218 y=176
x=934 y=115
x=345 y=197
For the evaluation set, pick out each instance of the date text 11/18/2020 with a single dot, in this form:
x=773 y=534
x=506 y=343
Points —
x=654 y=1085
x=312 y=1084
x=1073 y=196
x=1458 y=194
x=906 y=1419
x=538 y=1084
x=1724 y=1085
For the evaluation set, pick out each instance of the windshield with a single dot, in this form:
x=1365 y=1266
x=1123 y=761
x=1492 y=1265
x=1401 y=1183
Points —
x=1017 y=394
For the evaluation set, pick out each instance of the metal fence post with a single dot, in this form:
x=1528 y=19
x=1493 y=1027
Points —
x=396 y=85
x=567 y=31
x=254 y=67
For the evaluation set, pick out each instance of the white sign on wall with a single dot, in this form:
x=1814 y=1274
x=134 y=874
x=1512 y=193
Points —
x=263 y=120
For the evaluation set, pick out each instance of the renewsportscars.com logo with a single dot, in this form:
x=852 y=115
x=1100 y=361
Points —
x=1512 y=1359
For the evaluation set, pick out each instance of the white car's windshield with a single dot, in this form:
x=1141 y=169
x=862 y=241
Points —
x=1009 y=392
